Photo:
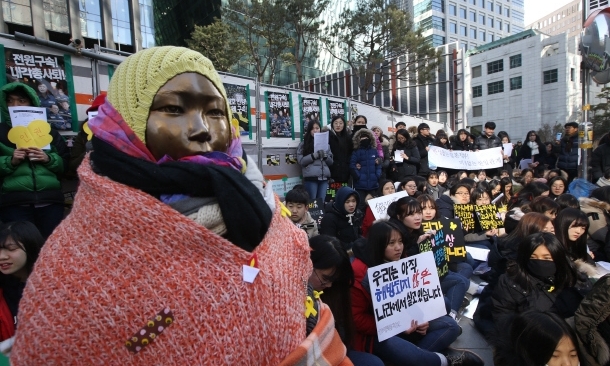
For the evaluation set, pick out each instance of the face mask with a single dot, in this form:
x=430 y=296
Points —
x=541 y=268
x=365 y=143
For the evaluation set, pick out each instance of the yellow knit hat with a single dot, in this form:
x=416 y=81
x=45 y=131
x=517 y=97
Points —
x=138 y=79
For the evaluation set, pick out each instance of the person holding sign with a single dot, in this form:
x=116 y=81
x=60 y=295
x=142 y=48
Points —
x=315 y=164
x=340 y=143
x=386 y=187
x=31 y=187
x=419 y=345
x=533 y=149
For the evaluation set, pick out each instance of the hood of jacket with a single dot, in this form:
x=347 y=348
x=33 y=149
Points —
x=592 y=203
x=362 y=252
x=7 y=89
x=342 y=194
x=364 y=132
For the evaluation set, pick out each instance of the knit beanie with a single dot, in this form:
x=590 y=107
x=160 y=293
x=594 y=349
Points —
x=138 y=79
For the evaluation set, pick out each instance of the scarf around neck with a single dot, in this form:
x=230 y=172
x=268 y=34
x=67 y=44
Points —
x=121 y=156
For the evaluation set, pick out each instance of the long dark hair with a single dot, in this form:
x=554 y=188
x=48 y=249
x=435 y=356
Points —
x=379 y=237
x=565 y=275
x=565 y=219
x=326 y=253
x=308 y=138
x=439 y=143
x=541 y=146
x=459 y=142
x=397 y=211
x=530 y=223
x=408 y=144
x=555 y=179
x=26 y=236
x=527 y=194
x=543 y=204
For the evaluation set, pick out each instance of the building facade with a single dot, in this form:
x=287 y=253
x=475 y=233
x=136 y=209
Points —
x=522 y=82
x=126 y=25
x=567 y=19
x=469 y=22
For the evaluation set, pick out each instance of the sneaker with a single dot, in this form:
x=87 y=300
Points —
x=462 y=357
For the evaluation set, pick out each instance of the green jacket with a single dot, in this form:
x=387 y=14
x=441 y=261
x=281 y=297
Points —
x=28 y=182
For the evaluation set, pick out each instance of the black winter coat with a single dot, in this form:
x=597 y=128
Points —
x=422 y=143
x=337 y=224
x=526 y=152
x=568 y=160
x=600 y=161
x=341 y=147
x=485 y=142
x=407 y=167
x=462 y=145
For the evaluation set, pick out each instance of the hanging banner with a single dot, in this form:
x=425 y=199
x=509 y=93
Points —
x=239 y=100
x=404 y=291
x=336 y=108
x=46 y=74
x=310 y=111
x=279 y=115
x=466 y=160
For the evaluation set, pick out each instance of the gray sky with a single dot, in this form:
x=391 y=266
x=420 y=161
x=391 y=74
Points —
x=536 y=9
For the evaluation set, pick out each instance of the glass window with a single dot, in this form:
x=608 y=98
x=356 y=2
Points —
x=476 y=72
x=17 y=11
x=515 y=61
x=477 y=91
x=453 y=28
x=550 y=76
x=572 y=74
x=56 y=15
x=473 y=16
x=121 y=24
x=482 y=36
x=435 y=40
x=495 y=66
x=491 y=6
x=491 y=22
x=482 y=19
x=477 y=111
x=463 y=13
x=452 y=9
x=491 y=37
x=431 y=22
x=507 y=28
x=426 y=6
x=473 y=33
x=90 y=19
x=507 y=12
x=515 y=83
x=482 y=2
x=463 y=30
x=499 y=25
x=499 y=7
x=495 y=88
x=147 y=24
x=473 y=2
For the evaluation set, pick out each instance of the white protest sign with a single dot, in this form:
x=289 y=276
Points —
x=30 y=127
x=320 y=141
x=466 y=160
x=398 y=156
x=379 y=205
x=405 y=290
x=479 y=254
x=508 y=149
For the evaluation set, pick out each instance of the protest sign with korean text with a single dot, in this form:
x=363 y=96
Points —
x=435 y=245
x=335 y=108
x=30 y=128
x=279 y=115
x=465 y=212
x=466 y=160
x=310 y=111
x=488 y=217
x=405 y=290
x=379 y=206
x=239 y=101
x=449 y=235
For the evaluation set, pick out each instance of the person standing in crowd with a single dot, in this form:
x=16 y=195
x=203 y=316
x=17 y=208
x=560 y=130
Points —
x=382 y=140
x=600 y=159
x=340 y=143
x=167 y=123
x=488 y=140
x=550 y=158
x=509 y=160
x=407 y=150
x=392 y=138
x=442 y=141
x=461 y=142
x=365 y=164
x=567 y=151
x=342 y=218
x=533 y=149
x=315 y=164
x=297 y=201
x=31 y=187
x=423 y=140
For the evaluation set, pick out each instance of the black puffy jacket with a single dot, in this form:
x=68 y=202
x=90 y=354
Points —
x=485 y=142
x=341 y=147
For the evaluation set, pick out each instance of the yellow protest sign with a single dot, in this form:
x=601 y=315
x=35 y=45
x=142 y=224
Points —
x=36 y=134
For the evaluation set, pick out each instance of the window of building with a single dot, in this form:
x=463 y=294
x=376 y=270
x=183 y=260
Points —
x=56 y=15
x=482 y=36
x=495 y=87
x=426 y=6
x=515 y=61
x=473 y=2
x=463 y=30
x=453 y=28
x=550 y=76
x=515 y=83
x=147 y=24
x=482 y=19
x=472 y=16
x=473 y=33
x=499 y=25
x=572 y=74
x=491 y=6
x=491 y=22
x=452 y=9
x=477 y=91
x=463 y=13
x=435 y=40
x=477 y=111
x=495 y=66
x=491 y=37
x=507 y=28
x=121 y=22
x=499 y=7
x=476 y=72
x=432 y=22
x=507 y=12
x=482 y=3
x=17 y=11
x=90 y=19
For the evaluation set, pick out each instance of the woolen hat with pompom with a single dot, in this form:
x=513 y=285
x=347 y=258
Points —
x=138 y=79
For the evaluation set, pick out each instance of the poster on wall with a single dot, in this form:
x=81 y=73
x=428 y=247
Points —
x=279 y=115
x=239 y=100
x=46 y=74
x=310 y=111
x=335 y=108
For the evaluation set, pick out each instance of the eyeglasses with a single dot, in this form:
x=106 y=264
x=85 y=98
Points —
x=462 y=193
x=322 y=283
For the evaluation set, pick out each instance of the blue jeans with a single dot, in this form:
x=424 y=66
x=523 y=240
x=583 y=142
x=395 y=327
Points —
x=363 y=358
x=441 y=333
x=398 y=351
x=454 y=288
x=45 y=218
x=316 y=188
x=464 y=268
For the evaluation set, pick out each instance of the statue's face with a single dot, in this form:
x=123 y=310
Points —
x=188 y=117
